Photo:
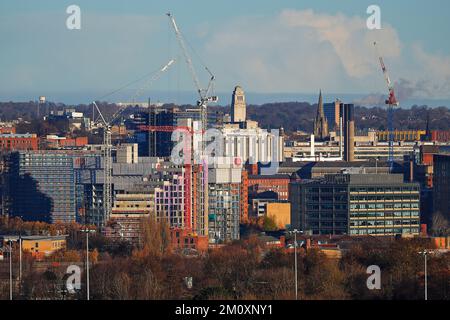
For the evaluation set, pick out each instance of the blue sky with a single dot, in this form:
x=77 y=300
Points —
x=266 y=46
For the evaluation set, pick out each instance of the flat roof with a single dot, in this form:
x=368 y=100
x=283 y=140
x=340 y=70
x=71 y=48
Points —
x=32 y=238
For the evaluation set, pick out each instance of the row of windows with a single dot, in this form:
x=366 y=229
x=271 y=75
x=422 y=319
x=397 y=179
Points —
x=387 y=198
x=171 y=208
x=384 y=214
x=327 y=207
x=327 y=190
x=166 y=201
x=384 y=189
x=383 y=231
x=383 y=222
x=325 y=224
x=384 y=206
x=336 y=198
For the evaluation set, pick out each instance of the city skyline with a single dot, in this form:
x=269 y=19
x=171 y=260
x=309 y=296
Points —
x=224 y=155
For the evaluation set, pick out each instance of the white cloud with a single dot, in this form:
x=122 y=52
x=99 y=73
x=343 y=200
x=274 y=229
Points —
x=349 y=37
x=434 y=69
x=289 y=51
x=299 y=51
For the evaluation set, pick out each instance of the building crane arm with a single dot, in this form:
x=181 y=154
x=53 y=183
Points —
x=203 y=93
x=187 y=58
x=155 y=77
x=392 y=100
x=105 y=123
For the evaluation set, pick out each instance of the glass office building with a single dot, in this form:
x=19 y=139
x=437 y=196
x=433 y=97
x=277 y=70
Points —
x=356 y=204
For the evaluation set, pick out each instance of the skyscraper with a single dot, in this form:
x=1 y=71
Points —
x=320 y=123
x=238 y=107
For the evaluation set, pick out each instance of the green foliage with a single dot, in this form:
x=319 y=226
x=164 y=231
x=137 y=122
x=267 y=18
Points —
x=269 y=224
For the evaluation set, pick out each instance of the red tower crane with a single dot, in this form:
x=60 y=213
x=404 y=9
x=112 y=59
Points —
x=391 y=102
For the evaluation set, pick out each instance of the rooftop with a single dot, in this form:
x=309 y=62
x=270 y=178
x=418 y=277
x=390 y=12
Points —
x=31 y=238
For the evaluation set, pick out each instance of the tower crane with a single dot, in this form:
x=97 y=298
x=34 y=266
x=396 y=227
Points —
x=205 y=96
x=106 y=146
x=391 y=102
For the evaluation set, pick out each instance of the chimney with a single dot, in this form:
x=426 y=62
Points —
x=312 y=146
x=349 y=132
x=411 y=170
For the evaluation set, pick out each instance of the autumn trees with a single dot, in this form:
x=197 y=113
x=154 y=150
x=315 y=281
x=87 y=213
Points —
x=402 y=270
x=244 y=269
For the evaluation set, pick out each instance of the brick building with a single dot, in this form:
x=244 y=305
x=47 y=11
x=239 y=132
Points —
x=13 y=142
x=277 y=184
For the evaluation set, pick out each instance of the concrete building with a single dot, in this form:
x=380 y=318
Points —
x=252 y=145
x=401 y=135
x=356 y=204
x=364 y=149
x=224 y=194
x=348 y=119
x=127 y=153
x=312 y=170
x=42 y=184
x=238 y=106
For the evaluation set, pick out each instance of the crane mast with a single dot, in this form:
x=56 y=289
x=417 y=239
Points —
x=391 y=102
x=205 y=98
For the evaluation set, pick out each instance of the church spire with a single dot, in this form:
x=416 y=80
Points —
x=320 y=123
x=320 y=105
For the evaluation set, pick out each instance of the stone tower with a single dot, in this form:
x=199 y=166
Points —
x=320 y=123
x=238 y=107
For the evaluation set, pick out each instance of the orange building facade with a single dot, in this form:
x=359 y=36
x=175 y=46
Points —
x=61 y=142
x=38 y=246
x=244 y=197
x=13 y=142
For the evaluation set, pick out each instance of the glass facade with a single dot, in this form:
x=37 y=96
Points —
x=340 y=204
x=384 y=210
x=224 y=212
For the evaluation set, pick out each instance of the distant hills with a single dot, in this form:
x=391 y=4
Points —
x=300 y=116
x=289 y=115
